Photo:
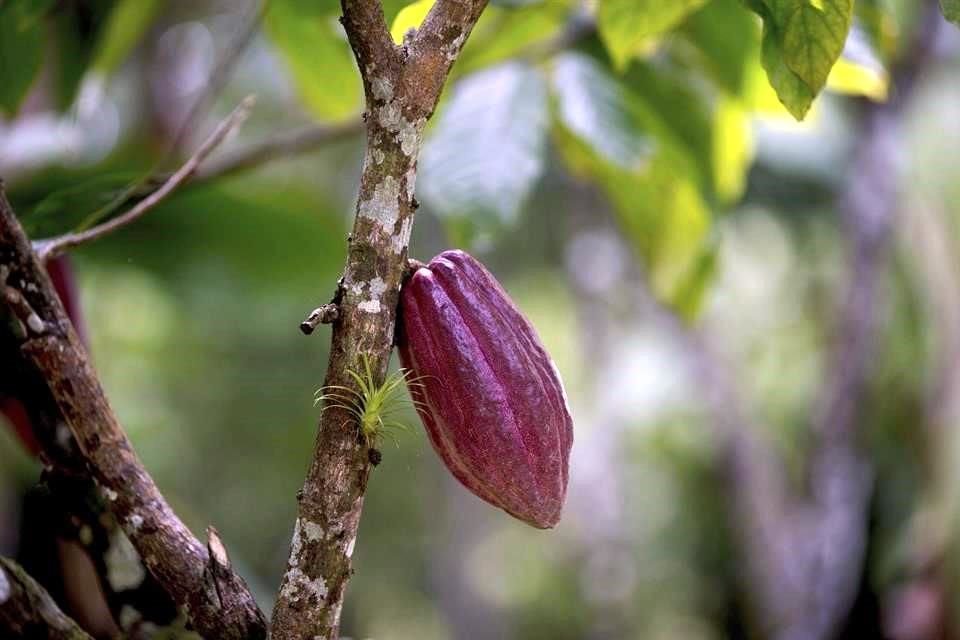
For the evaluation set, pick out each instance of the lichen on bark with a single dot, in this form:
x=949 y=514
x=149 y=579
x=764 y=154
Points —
x=402 y=85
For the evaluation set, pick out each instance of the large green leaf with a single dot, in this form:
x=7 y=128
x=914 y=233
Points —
x=21 y=52
x=604 y=136
x=727 y=39
x=504 y=32
x=598 y=109
x=486 y=152
x=311 y=43
x=802 y=40
x=626 y=26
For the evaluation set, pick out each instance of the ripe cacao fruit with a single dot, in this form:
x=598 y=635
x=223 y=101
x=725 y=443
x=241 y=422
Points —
x=488 y=394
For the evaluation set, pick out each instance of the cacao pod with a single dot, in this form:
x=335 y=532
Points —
x=488 y=394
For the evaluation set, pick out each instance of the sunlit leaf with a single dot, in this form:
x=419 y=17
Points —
x=486 y=152
x=312 y=45
x=859 y=70
x=732 y=148
x=651 y=185
x=21 y=53
x=627 y=26
x=802 y=40
x=503 y=32
x=410 y=17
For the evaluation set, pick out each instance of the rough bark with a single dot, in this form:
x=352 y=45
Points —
x=402 y=85
x=28 y=611
x=216 y=606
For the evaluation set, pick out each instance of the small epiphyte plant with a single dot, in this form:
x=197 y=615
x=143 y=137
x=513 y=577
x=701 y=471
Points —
x=374 y=407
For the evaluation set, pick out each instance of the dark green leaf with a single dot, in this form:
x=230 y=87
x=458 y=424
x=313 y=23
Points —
x=21 y=54
x=728 y=40
x=801 y=43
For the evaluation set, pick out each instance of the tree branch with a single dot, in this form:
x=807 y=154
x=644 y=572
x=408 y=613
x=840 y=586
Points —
x=53 y=247
x=402 y=86
x=178 y=561
x=283 y=145
x=28 y=611
x=840 y=477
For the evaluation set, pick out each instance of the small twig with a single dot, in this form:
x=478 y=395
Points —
x=53 y=247
x=283 y=145
x=324 y=314
x=178 y=561
x=25 y=607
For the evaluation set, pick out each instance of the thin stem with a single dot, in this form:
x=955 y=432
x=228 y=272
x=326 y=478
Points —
x=53 y=247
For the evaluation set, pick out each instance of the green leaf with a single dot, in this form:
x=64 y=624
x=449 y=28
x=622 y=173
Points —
x=732 y=148
x=127 y=23
x=597 y=109
x=802 y=40
x=727 y=39
x=813 y=39
x=487 y=151
x=951 y=10
x=792 y=92
x=63 y=209
x=627 y=26
x=21 y=53
x=650 y=182
x=859 y=71
x=504 y=32
x=31 y=13
x=311 y=43
x=410 y=17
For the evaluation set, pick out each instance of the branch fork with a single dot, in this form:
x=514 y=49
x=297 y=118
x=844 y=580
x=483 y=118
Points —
x=402 y=85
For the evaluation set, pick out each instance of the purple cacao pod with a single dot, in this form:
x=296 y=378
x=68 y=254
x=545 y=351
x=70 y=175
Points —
x=488 y=394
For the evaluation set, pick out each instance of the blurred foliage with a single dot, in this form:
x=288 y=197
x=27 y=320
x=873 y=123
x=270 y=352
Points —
x=579 y=147
x=951 y=9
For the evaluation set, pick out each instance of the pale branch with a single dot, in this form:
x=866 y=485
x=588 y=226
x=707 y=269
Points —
x=28 y=611
x=282 y=145
x=324 y=314
x=53 y=247
x=216 y=607
x=840 y=476
x=402 y=85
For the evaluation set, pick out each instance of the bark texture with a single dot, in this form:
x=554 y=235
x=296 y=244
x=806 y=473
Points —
x=402 y=85
x=28 y=611
x=217 y=601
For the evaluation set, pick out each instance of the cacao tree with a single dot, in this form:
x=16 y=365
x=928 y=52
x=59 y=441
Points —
x=724 y=227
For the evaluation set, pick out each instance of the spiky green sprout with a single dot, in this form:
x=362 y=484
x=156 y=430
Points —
x=374 y=407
